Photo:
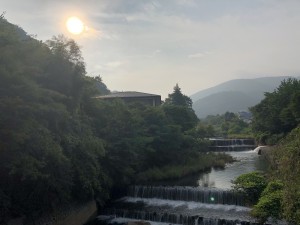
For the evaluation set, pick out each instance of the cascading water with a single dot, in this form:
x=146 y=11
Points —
x=181 y=205
x=174 y=218
x=221 y=144
x=214 y=204
x=204 y=195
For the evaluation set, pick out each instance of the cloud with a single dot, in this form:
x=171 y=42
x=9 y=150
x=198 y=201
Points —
x=189 y=3
x=149 y=40
x=154 y=53
x=196 y=55
x=93 y=33
x=199 y=54
x=114 y=64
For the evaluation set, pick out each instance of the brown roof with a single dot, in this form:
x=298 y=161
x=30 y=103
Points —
x=127 y=94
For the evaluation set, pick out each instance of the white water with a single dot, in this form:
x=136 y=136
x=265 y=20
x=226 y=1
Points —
x=159 y=208
x=120 y=220
x=185 y=204
x=154 y=209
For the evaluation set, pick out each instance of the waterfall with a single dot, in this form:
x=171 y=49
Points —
x=172 y=205
x=173 y=218
x=178 y=205
x=222 y=144
x=203 y=195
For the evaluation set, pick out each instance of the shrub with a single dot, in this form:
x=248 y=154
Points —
x=269 y=205
x=251 y=184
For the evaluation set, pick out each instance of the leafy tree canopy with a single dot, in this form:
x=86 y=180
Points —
x=252 y=184
x=59 y=144
x=178 y=99
x=278 y=113
x=285 y=168
x=269 y=204
x=228 y=125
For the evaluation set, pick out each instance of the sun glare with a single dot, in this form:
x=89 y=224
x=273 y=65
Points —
x=75 y=25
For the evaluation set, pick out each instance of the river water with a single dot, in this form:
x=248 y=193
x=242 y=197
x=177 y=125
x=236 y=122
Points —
x=204 y=199
x=247 y=161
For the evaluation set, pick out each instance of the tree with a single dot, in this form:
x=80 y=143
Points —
x=251 y=184
x=178 y=99
x=49 y=153
x=59 y=144
x=228 y=125
x=101 y=86
x=278 y=113
x=180 y=115
x=285 y=166
x=66 y=49
x=178 y=109
x=270 y=202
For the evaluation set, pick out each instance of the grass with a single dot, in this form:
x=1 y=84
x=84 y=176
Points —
x=203 y=162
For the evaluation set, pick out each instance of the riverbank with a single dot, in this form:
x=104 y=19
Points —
x=75 y=214
x=201 y=163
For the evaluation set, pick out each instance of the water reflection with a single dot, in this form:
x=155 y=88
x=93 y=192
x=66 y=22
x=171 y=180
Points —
x=247 y=161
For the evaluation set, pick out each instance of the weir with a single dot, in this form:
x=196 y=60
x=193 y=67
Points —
x=179 y=205
x=172 y=218
x=223 y=144
x=202 y=205
x=203 y=195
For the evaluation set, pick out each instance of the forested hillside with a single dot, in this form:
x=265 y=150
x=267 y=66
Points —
x=276 y=121
x=49 y=153
x=233 y=95
x=60 y=145
x=278 y=113
x=222 y=102
x=227 y=125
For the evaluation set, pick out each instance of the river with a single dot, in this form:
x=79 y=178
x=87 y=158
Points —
x=247 y=161
x=207 y=200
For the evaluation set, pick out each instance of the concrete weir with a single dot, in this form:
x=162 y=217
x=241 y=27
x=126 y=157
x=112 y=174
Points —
x=226 y=144
x=262 y=150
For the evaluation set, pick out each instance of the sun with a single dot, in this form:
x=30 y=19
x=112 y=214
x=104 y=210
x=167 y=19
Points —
x=75 y=25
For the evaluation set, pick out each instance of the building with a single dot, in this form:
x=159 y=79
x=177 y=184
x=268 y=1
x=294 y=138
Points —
x=246 y=116
x=133 y=96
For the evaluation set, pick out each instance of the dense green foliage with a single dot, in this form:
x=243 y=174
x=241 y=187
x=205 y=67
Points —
x=178 y=99
x=276 y=121
x=281 y=197
x=228 y=125
x=251 y=184
x=49 y=153
x=59 y=144
x=286 y=168
x=278 y=113
x=269 y=203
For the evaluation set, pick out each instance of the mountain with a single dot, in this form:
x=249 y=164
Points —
x=233 y=95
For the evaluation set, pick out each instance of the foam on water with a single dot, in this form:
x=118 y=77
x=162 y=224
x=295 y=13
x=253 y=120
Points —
x=212 y=203
x=120 y=220
x=188 y=205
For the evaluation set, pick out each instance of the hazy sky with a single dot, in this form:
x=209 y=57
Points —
x=149 y=46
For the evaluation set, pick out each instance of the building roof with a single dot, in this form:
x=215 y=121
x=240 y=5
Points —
x=127 y=94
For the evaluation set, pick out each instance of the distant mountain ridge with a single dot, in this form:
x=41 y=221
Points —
x=233 y=95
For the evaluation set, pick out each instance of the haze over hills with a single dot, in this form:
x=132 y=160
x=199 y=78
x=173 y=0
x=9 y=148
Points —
x=233 y=95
